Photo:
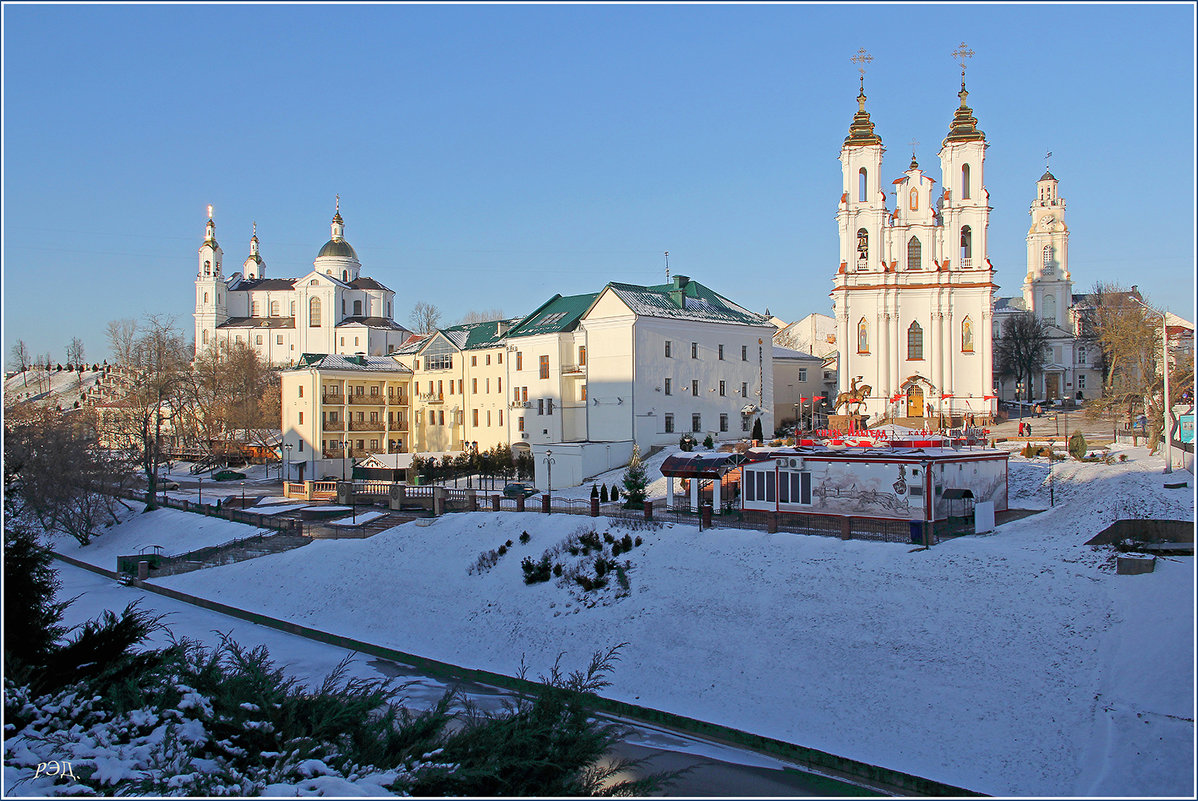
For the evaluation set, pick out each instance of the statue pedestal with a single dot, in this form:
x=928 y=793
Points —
x=845 y=423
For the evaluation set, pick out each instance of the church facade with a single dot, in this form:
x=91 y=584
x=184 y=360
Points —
x=331 y=309
x=913 y=293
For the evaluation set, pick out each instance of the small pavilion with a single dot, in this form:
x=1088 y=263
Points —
x=697 y=467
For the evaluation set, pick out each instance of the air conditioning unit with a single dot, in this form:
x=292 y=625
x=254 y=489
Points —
x=797 y=463
x=783 y=462
x=524 y=435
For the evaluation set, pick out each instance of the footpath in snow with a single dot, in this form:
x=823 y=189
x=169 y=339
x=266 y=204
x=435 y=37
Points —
x=1016 y=663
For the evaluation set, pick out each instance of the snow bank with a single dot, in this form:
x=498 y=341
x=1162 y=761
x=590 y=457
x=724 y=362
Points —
x=1013 y=664
x=175 y=530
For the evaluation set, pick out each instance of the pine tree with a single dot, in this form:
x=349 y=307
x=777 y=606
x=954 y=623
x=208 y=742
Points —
x=615 y=492
x=757 y=433
x=603 y=494
x=635 y=481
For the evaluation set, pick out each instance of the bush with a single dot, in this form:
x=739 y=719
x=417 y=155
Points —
x=603 y=495
x=708 y=442
x=557 y=570
x=595 y=491
x=1029 y=452
x=608 y=538
x=615 y=492
x=615 y=549
x=1123 y=457
x=757 y=435
x=536 y=571
x=502 y=550
x=626 y=542
x=524 y=538
x=1077 y=445
x=687 y=442
x=639 y=541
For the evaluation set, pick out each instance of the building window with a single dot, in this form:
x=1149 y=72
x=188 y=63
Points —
x=1081 y=381
x=500 y=416
x=293 y=308
x=695 y=388
x=694 y=350
x=549 y=406
x=967 y=335
x=582 y=355
x=258 y=339
x=802 y=374
x=544 y=367
x=914 y=254
x=723 y=387
x=862 y=248
x=669 y=390
x=374 y=417
x=355 y=341
x=914 y=198
x=519 y=360
x=474 y=385
x=524 y=394
x=301 y=418
x=499 y=357
x=301 y=390
x=862 y=185
x=1047 y=256
x=343 y=341
x=374 y=391
x=488 y=358
x=475 y=418
x=498 y=385
x=914 y=342
x=669 y=423
x=744 y=353
x=205 y=297
x=744 y=389
x=274 y=308
x=204 y=337
x=474 y=361
x=488 y=386
x=278 y=339
x=540 y=405
x=723 y=422
x=668 y=348
x=744 y=423
x=696 y=422
x=721 y=353
x=966 y=246
x=965 y=182
x=862 y=336
x=441 y=418
x=1050 y=308
x=301 y=446
x=1081 y=354
x=488 y=417
x=314 y=312
x=357 y=308
x=519 y=423
x=374 y=444
x=439 y=356
x=582 y=392
x=255 y=309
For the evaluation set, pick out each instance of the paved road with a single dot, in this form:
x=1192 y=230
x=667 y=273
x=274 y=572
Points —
x=714 y=768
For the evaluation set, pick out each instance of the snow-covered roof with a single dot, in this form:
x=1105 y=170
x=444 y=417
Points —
x=337 y=361
x=684 y=300
x=787 y=353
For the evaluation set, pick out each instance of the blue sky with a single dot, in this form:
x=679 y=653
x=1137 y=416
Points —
x=489 y=156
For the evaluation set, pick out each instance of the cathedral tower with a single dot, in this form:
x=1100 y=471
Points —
x=1048 y=286
x=254 y=266
x=211 y=301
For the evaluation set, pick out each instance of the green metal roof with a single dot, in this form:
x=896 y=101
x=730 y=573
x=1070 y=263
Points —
x=472 y=336
x=556 y=314
x=684 y=299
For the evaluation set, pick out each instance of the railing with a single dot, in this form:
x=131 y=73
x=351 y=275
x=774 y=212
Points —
x=324 y=489
x=332 y=425
x=337 y=398
x=431 y=397
x=366 y=425
x=366 y=400
x=397 y=400
x=521 y=404
x=397 y=425
x=574 y=369
x=373 y=487
x=966 y=262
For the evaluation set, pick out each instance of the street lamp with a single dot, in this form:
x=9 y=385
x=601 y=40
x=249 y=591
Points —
x=1165 y=404
x=243 y=495
x=548 y=471
x=287 y=449
x=344 y=455
x=797 y=423
x=200 y=486
x=1018 y=402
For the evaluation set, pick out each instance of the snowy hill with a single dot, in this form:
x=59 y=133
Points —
x=61 y=389
x=1012 y=664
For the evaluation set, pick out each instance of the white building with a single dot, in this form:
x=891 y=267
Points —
x=914 y=289
x=331 y=309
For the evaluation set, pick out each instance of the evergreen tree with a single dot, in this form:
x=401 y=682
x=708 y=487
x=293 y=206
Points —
x=757 y=433
x=709 y=443
x=615 y=492
x=603 y=495
x=32 y=618
x=635 y=481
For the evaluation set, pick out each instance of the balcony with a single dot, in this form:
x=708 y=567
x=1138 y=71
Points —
x=521 y=404
x=966 y=263
x=366 y=400
x=397 y=425
x=337 y=399
x=431 y=397
x=395 y=399
x=574 y=370
x=332 y=425
x=366 y=425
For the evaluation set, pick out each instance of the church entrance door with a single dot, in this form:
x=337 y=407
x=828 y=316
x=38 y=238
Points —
x=1052 y=386
x=914 y=402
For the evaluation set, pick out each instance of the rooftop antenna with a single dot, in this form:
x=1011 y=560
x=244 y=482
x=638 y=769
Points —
x=667 y=266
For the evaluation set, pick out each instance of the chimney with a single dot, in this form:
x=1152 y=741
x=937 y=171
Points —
x=678 y=293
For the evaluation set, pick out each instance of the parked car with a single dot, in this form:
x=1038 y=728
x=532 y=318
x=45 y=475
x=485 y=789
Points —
x=139 y=480
x=519 y=489
x=227 y=475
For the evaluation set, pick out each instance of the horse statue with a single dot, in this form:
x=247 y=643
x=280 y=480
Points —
x=854 y=397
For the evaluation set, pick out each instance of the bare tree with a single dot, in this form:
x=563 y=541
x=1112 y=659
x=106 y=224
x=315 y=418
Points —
x=232 y=395
x=75 y=352
x=122 y=340
x=22 y=359
x=425 y=318
x=481 y=316
x=1020 y=350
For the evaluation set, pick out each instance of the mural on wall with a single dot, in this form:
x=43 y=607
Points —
x=987 y=480
x=860 y=490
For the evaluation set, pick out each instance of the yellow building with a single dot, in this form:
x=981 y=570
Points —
x=339 y=408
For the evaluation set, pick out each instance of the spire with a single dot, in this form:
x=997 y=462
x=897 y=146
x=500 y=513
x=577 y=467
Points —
x=964 y=127
x=914 y=163
x=1047 y=176
x=210 y=229
x=254 y=245
x=861 y=130
x=338 y=226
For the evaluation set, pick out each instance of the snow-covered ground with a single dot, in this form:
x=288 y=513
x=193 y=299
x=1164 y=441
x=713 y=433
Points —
x=63 y=390
x=1012 y=664
x=174 y=530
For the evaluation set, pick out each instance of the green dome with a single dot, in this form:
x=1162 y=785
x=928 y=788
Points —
x=338 y=248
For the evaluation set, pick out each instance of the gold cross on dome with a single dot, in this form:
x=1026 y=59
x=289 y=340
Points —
x=960 y=54
x=1047 y=159
x=914 y=144
x=338 y=204
x=861 y=60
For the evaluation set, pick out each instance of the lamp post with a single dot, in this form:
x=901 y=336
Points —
x=1018 y=401
x=797 y=422
x=243 y=496
x=1051 y=484
x=1165 y=404
x=548 y=471
x=287 y=449
x=200 y=486
x=344 y=456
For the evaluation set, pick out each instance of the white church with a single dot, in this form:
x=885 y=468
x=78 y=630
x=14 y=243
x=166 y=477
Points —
x=914 y=290
x=331 y=309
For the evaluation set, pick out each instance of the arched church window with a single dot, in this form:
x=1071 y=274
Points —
x=914 y=254
x=1047 y=255
x=862 y=184
x=965 y=181
x=207 y=267
x=966 y=246
x=1050 y=308
x=914 y=198
x=863 y=336
x=357 y=308
x=274 y=308
x=204 y=337
x=914 y=342
x=255 y=308
x=345 y=275
x=205 y=297
x=967 y=335
x=313 y=282
x=862 y=248
x=314 y=312
x=293 y=308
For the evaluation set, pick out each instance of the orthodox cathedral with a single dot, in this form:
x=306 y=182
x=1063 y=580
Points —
x=913 y=294
x=331 y=309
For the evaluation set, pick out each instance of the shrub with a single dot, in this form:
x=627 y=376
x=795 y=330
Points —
x=1077 y=445
x=508 y=543
x=557 y=570
x=757 y=435
x=485 y=562
x=615 y=492
x=600 y=567
x=708 y=442
x=626 y=542
x=524 y=538
x=595 y=491
x=502 y=550
x=639 y=541
x=590 y=539
x=603 y=495
x=622 y=577
x=1123 y=457
x=1029 y=451
x=608 y=538
x=615 y=549
x=536 y=571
